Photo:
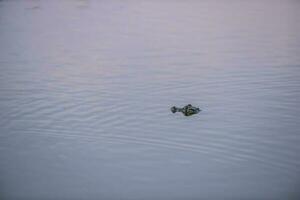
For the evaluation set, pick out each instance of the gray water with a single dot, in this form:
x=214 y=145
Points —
x=86 y=89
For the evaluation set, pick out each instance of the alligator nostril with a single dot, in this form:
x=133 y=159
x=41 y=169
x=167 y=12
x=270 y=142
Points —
x=173 y=109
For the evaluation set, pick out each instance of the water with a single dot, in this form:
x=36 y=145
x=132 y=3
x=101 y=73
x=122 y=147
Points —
x=86 y=88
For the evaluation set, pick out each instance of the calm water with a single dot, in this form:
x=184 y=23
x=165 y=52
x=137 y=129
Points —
x=86 y=88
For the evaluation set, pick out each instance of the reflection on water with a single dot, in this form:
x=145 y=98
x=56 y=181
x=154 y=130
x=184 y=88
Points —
x=86 y=90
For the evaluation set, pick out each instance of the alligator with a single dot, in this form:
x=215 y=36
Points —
x=186 y=110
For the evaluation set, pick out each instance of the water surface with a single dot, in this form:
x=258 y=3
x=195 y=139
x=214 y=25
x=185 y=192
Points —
x=86 y=88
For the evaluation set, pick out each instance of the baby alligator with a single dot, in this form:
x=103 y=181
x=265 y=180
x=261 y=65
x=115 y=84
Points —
x=186 y=110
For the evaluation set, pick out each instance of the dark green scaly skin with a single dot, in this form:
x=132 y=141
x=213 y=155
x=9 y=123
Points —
x=187 y=110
